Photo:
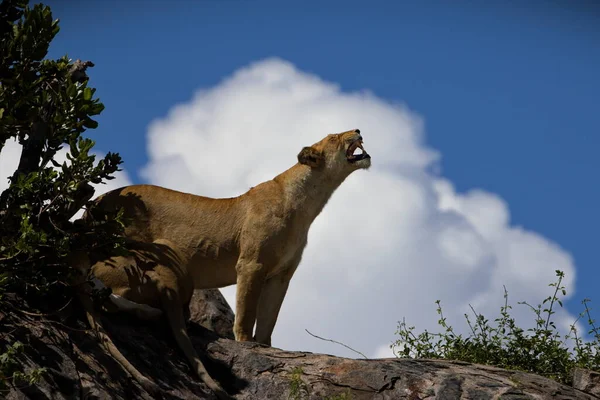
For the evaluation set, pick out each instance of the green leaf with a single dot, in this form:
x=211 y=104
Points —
x=87 y=94
x=96 y=109
x=90 y=123
x=71 y=90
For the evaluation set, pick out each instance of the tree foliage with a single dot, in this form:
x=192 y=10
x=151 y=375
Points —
x=46 y=105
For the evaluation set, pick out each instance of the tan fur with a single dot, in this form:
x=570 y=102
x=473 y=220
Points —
x=181 y=242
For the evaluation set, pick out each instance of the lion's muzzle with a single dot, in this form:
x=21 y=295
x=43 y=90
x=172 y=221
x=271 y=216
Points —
x=355 y=146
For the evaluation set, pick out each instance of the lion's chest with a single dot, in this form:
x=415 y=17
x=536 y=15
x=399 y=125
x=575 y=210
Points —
x=286 y=252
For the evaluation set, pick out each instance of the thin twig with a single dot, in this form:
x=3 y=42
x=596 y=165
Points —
x=335 y=341
x=4 y=259
x=49 y=321
x=45 y=314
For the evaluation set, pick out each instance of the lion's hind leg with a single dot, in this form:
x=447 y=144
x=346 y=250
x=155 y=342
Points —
x=173 y=308
x=141 y=311
x=117 y=302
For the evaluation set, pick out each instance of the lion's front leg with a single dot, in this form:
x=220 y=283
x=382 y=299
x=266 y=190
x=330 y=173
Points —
x=270 y=302
x=250 y=281
x=268 y=309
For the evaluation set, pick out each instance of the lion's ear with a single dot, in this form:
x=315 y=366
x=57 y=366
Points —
x=311 y=157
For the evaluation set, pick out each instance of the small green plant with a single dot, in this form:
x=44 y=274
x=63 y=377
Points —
x=298 y=389
x=540 y=350
x=10 y=368
x=340 y=396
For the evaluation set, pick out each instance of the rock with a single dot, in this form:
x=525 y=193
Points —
x=78 y=368
x=587 y=381
x=210 y=309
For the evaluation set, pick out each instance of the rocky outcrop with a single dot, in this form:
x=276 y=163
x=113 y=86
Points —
x=78 y=367
x=210 y=309
x=587 y=381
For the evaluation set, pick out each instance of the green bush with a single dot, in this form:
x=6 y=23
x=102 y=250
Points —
x=45 y=105
x=10 y=369
x=540 y=350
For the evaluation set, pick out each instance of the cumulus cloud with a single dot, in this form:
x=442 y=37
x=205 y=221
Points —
x=392 y=239
x=9 y=161
x=390 y=242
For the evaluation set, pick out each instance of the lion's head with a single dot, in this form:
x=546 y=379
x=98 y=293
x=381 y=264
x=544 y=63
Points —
x=338 y=152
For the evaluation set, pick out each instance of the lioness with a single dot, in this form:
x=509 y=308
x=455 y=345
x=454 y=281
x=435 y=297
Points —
x=180 y=242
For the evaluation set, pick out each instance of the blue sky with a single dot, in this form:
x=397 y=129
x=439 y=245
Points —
x=508 y=94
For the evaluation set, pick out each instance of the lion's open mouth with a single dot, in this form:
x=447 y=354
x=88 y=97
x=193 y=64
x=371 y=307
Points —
x=354 y=148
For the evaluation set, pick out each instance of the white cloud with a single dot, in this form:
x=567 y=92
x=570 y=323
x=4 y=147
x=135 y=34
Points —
x=412 y=238
x=9 y=161
x=384 y=351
